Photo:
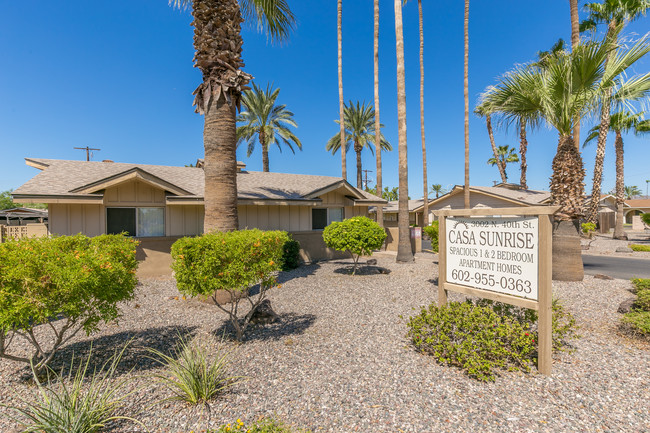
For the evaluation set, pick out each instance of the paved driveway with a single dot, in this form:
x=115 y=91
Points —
x=617 y=267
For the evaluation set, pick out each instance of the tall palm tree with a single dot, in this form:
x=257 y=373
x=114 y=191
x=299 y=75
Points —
x=380 y=211
x=266 y=122
x=505 y=155
x=562 y=93
x=218 y=44
x=438 y=189
x=425 y=217
x=631 y=191
x=615 y=14
x=620 y=123
x=484 y=109
x=404 y=253
x=575 y=40
x=359 y=122
x=466 y=93
x=339 y=34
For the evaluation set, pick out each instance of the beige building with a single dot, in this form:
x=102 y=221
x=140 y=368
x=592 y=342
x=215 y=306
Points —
x=159 y=204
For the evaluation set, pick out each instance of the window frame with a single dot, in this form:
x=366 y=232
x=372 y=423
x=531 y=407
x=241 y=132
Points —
x=329 y=218
x=135 y=209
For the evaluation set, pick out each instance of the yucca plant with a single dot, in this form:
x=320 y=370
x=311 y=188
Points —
x=68 y=403
x=191 y=375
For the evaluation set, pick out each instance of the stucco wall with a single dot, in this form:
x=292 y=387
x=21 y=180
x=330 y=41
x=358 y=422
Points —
x=313 y=248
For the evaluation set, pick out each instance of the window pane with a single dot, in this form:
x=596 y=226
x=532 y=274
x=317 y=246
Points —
x=120 y=219
x=336 y=214
x=318 y=219
x=151 y=221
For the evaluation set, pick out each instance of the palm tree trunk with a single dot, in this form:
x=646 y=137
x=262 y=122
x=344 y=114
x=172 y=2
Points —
x=380 y=210
x=265 y=151
x=567 y=191
x=500 y=165
x=219 y=140
x=523 y=148
x=603 y=129
x=339 y=24
x=425 y=209
x=466 y=92
x=357 y=150
x=404 y=252
x=575 y=40
x=619 y=233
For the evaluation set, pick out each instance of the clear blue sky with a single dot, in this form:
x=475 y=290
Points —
x=118 y=75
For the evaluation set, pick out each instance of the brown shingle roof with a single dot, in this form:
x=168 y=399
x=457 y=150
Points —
x=60 y=177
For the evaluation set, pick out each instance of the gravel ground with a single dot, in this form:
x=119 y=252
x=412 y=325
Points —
x=339 y=361
x=605 y=245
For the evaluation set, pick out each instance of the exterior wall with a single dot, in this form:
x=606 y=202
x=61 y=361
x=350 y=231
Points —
x=70 y=219
x=134 y=194
x=313 y=249
x=393 y=236
x=289 y=218
x=184 y=220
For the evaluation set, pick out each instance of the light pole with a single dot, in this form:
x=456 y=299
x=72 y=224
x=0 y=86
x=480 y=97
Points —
x=646 y=188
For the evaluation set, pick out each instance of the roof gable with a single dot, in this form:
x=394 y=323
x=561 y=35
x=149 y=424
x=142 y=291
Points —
x=135 y=173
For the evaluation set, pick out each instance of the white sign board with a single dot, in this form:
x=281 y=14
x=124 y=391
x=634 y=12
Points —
x=498 y=254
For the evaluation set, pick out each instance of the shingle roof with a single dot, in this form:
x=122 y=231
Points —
x=61 y=177
x=638 y=202
x=527 y=196
x=393 y=206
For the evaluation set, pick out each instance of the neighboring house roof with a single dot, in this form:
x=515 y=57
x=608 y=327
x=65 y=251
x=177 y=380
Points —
x=393 y=206
x=87 y=179
x=526 y=197
x=23 y=212
x=638 y=203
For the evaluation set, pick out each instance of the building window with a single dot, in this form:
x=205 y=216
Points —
x=140 y=222
x=322 y=217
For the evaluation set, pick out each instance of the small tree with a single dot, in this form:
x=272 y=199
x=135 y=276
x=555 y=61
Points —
x=358 y=235
x=230 y=261
x=69 y=283
x=432 y=232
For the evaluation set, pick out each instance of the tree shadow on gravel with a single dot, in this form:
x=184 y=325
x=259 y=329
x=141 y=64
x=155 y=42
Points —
x=136 y=356
x=301 y=271
x=362 y=270
x=288 y=324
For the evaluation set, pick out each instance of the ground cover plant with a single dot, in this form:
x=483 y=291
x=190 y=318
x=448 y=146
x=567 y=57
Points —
x=638 y=319
x=231 y=261
x=483 y=336
x=264 y=425
x=359 y=236
x=67 y=284
x=637 y=247
x=588 y=229
x=196 y=372
x=70 y=403
x=432 y=232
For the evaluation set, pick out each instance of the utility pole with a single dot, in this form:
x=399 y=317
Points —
x=87 y=149
x=646 y=188
x=365 y=173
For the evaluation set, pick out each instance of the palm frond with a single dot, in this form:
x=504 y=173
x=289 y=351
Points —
x=272 y=17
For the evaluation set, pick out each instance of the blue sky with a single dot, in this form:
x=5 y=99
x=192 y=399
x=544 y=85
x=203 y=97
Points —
x=118 y=75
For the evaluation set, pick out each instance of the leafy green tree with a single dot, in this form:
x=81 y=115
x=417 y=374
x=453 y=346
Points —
x=231 y=261
x=218 y=43
x=6 y=202
x=266 y=122
x=505 y=155
x=359 y=132
x=360 y=236
x=77 y=279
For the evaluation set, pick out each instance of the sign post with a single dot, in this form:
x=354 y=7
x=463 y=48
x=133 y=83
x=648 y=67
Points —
x=504 y=255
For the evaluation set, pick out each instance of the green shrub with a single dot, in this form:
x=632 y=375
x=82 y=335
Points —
x=265 y=425
x=71 y=404
x=588 y=228
x=76 y=279
x=291 y=254
x=432 y=232
x=641 y=283
x=646 y=218
x=231 y=261
x=358 y=235
x=638 y=322
x=637 y=247
x=483 y=336
x=191 y=374
x=642 y=300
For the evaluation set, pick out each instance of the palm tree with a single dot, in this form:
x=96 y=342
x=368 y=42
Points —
x=359 y=121
x=380 y=211
x=425 y=214
x=265 y=122
x=575 y=40
x=438 y=189
x=616 y=14
x=339 y=34
x=484 y=109
x=404 y=253
x=218 y=44
x=505 y=155
x=466 y=93
x=620 y=123
x=562 y=93
x=631 y=191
